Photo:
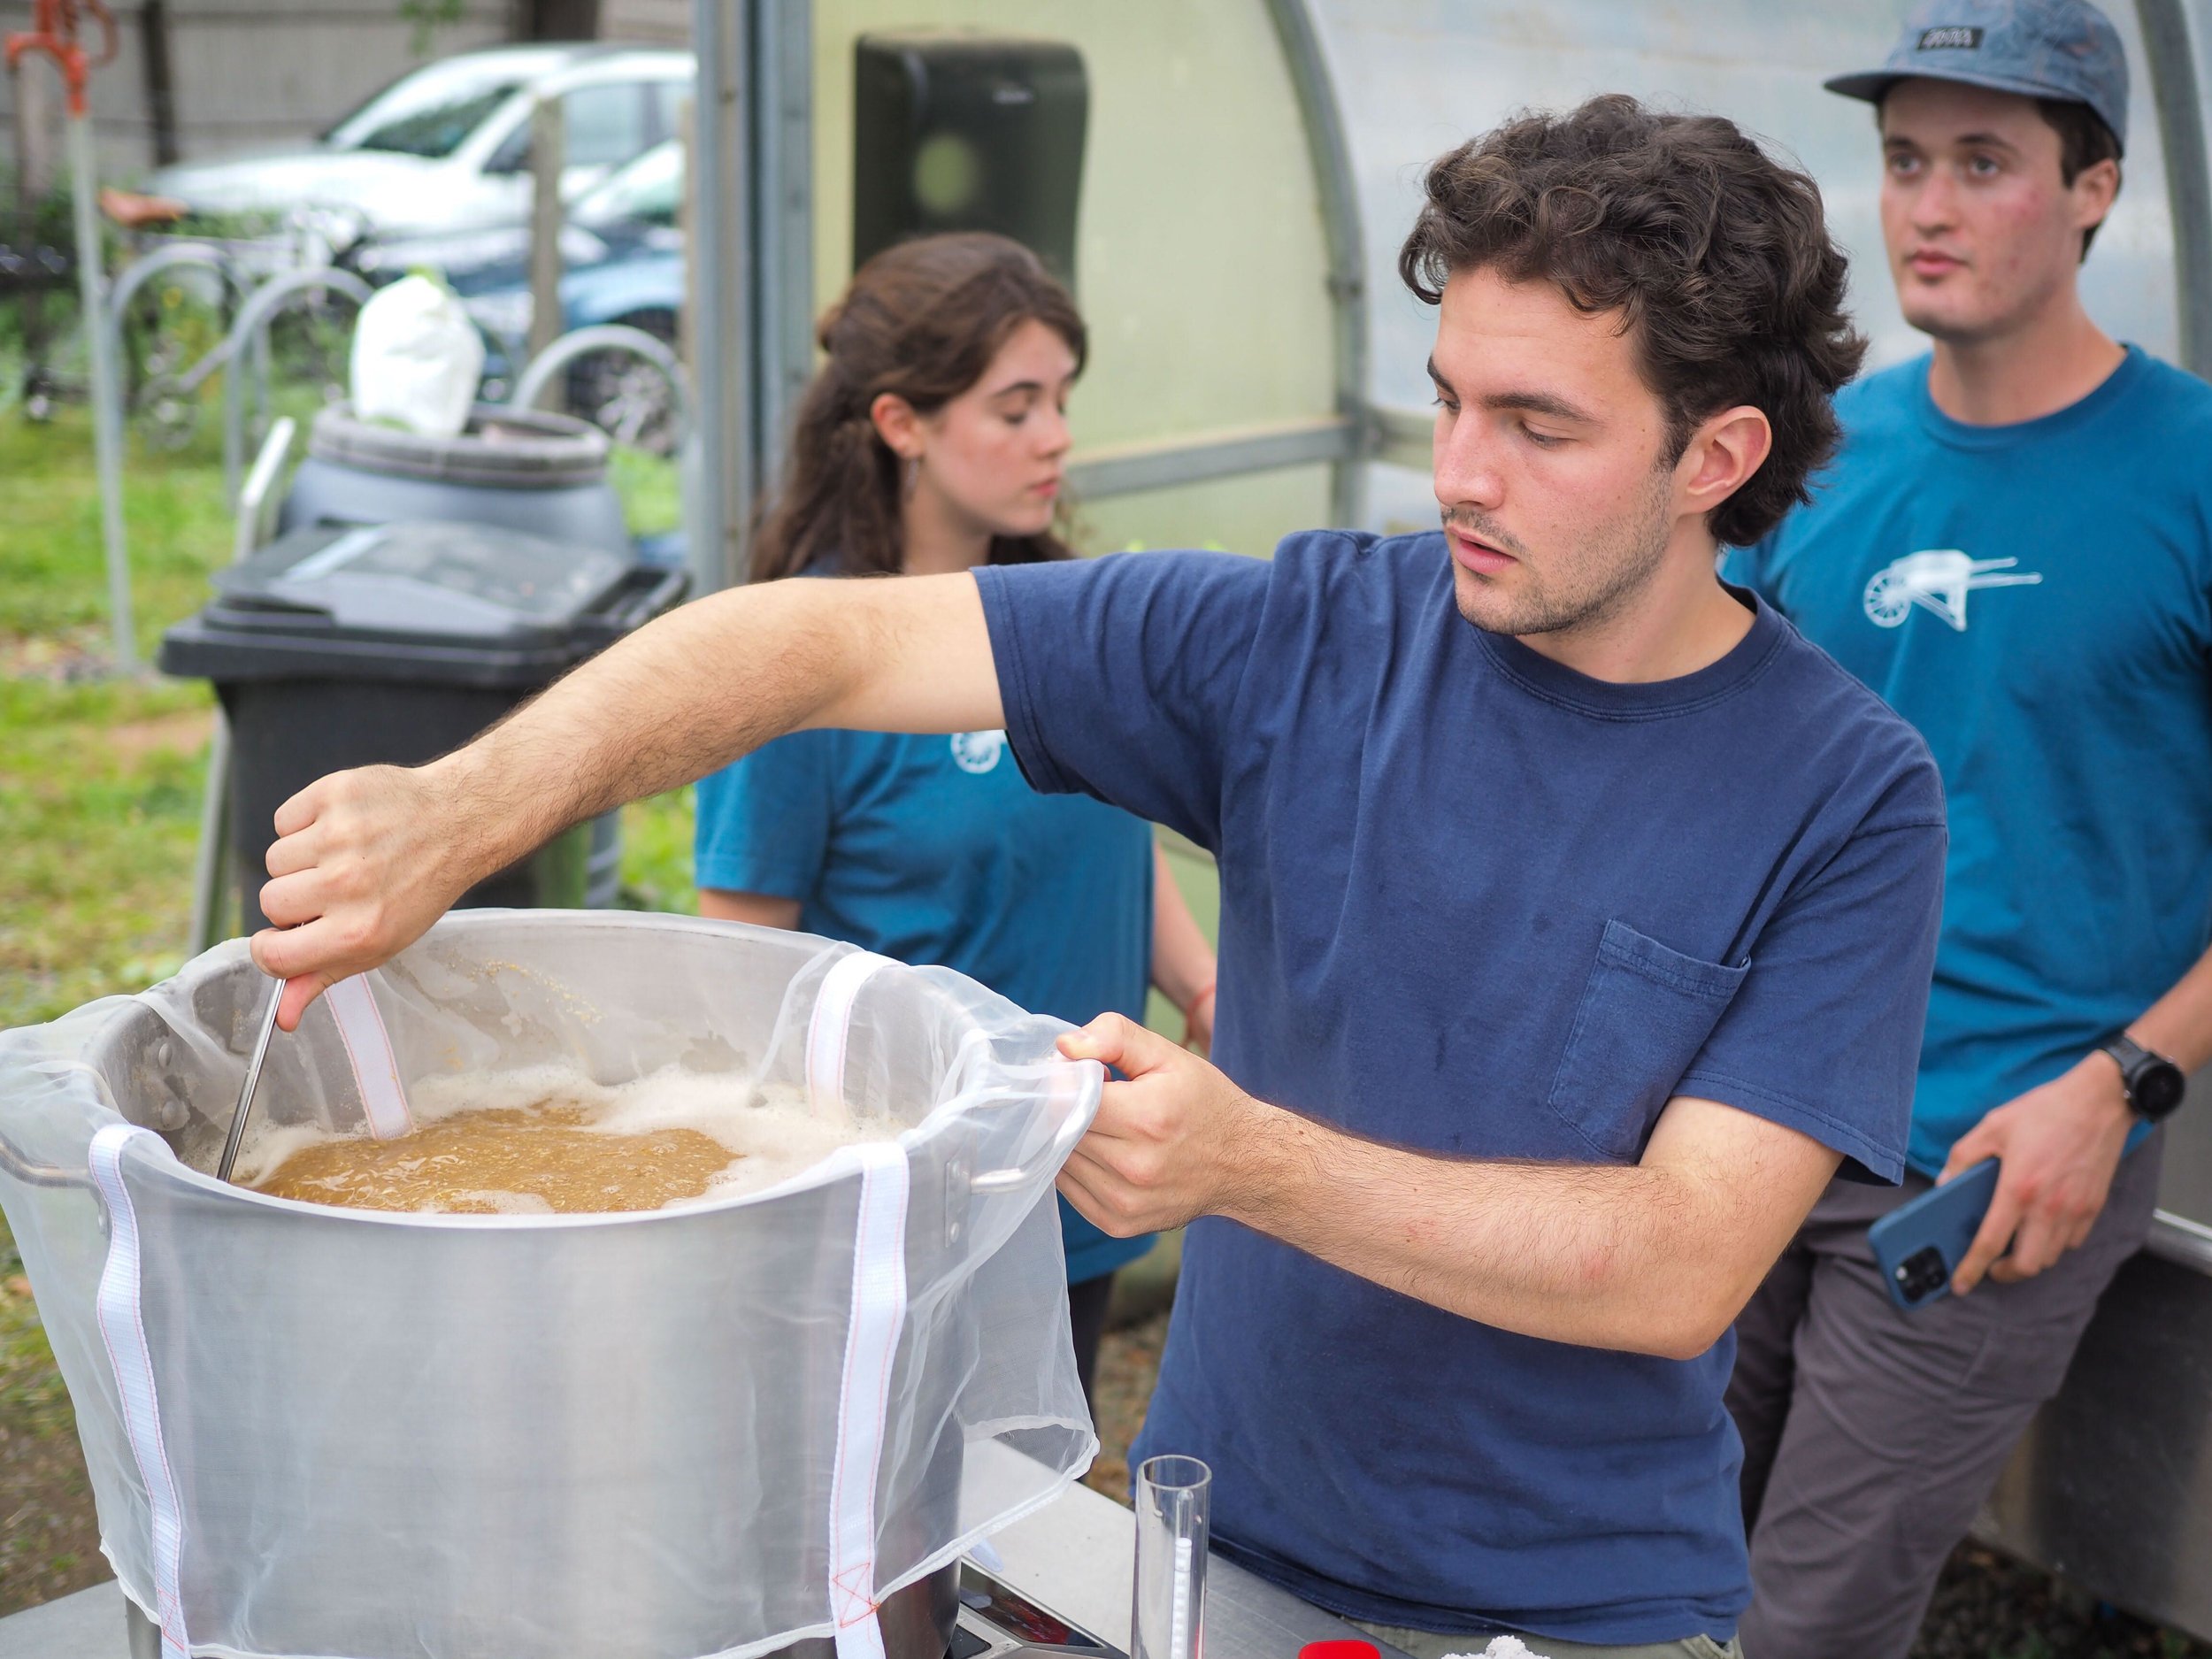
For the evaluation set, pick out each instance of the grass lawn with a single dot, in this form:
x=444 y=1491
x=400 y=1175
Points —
x=99 y=778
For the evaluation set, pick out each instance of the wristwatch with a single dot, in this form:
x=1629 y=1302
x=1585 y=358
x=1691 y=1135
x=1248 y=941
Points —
x=2154 y=1085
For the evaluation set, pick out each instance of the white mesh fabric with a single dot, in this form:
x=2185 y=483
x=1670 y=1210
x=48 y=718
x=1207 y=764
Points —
x=444 y=1435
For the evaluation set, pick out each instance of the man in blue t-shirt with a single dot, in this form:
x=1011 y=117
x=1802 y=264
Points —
x=1577 y=914
x=2015 y=549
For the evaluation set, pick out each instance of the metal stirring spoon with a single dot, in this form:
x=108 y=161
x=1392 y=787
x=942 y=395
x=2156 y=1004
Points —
x=253 y=1082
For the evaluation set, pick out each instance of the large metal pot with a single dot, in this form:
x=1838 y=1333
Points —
x=606 y=1434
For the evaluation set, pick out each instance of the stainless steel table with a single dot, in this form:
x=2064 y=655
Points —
x=1074 y=1556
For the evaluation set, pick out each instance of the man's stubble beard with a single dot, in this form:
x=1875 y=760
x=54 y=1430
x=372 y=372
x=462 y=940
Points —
x=1589 y=587
x=2001 y=317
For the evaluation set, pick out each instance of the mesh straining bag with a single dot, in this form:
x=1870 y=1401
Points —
x=709 y=1430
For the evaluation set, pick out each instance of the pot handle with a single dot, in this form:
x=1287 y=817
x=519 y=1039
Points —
x=1056 y=1151
x=15 y=1165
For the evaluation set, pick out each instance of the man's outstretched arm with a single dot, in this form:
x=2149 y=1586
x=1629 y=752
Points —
x=1654 y=1258
x=367 y=860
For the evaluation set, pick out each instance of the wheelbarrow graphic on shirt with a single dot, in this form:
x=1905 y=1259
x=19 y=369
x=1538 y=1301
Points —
x=1937 y=579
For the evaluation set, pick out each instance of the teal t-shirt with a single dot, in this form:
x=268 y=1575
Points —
x=934 y=850
x=2037 y=599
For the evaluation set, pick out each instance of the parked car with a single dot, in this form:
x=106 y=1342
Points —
x=623 y=257
x=448 y=146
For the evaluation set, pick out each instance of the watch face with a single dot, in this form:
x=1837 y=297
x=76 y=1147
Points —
x=2157 y=1088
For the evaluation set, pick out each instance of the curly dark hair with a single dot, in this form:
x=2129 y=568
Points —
x=1716 y=257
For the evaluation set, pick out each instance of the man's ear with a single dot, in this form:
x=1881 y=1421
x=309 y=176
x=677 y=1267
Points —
x=2096 y=188
x=897 y=424
x=1723 y=454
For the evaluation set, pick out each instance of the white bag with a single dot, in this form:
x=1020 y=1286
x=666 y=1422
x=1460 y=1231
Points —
x=716 y=1429
x=416 y=358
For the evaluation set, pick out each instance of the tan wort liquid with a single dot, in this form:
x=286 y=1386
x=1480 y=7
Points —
x=482 y=1162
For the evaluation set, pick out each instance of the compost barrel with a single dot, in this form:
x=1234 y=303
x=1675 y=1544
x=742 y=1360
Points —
x=542 y=474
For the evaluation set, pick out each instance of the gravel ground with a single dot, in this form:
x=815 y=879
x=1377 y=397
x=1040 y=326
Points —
x=1989 y=1608
x=1985 y=1607
x=1128 y=1360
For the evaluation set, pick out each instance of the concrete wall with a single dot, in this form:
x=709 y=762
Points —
x=246 y=74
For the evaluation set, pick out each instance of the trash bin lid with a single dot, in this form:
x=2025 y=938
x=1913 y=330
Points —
x=420 y=601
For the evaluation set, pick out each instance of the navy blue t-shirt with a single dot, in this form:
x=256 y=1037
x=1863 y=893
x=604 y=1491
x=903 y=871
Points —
x=1476 y=904
x=2037 y=600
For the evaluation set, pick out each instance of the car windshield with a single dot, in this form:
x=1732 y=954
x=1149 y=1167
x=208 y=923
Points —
x=430 y=113
x=647 y=190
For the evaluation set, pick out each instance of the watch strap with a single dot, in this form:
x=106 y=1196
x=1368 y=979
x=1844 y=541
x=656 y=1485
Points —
x=2126 y=1052
x=2134 y=1059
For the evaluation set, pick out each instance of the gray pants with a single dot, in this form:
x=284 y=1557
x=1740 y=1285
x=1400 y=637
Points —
x=1872 y=1436
x=1426 y=1644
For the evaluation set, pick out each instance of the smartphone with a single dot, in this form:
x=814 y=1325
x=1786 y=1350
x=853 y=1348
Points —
x=1920 y=1245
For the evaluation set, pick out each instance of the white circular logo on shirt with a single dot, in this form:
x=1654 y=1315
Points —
x=978 y=751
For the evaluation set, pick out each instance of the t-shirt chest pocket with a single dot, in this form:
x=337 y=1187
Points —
x=1645 y=1010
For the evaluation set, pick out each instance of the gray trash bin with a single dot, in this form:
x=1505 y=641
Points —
x=395 y=644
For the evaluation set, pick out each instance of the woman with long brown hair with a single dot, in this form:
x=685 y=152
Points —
x=934 y=438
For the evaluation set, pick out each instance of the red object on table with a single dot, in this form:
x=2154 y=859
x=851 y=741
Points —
x=1340 y=1650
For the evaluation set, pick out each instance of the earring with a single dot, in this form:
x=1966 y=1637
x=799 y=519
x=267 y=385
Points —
x=913 y=478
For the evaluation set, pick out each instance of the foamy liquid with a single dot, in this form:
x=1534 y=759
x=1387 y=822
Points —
x=547 y=1139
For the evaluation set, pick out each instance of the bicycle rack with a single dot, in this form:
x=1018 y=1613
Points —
x=248 y=335
x=203 y=255
x=141 y=271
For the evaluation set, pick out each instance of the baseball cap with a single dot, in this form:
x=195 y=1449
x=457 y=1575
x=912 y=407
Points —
x=2042 y=49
